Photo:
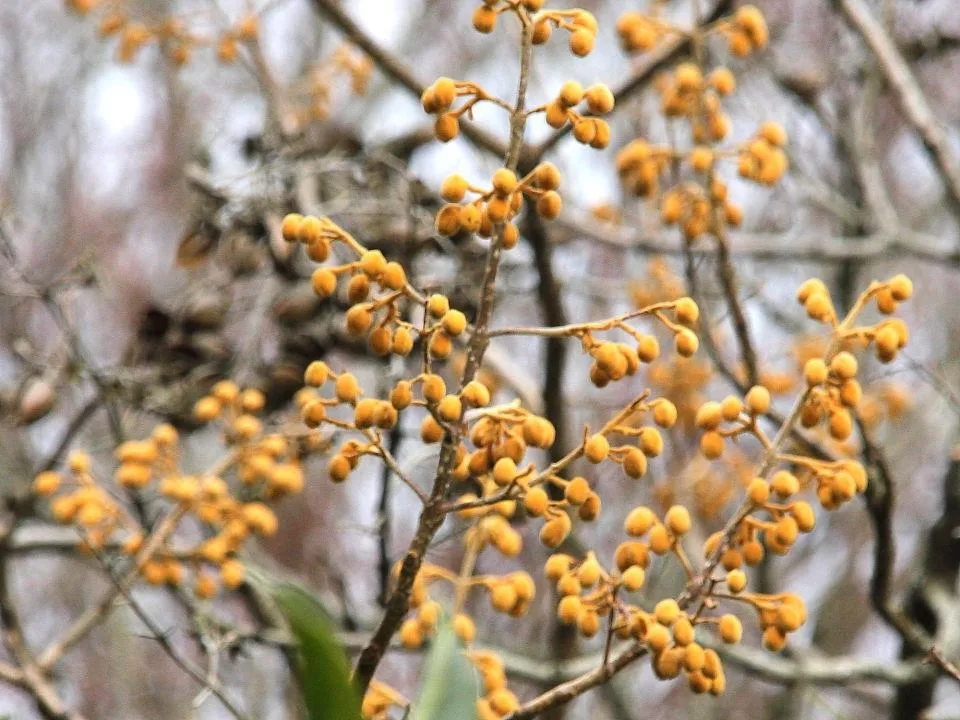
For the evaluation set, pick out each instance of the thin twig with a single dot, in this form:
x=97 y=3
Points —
x=432 y=515
x=912 y=101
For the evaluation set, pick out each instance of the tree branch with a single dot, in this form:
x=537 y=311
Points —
x=910 y=97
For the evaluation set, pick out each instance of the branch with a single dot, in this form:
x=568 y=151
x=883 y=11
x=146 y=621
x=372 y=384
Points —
x=96 y=614
x=203 y=679
x=397 y=71
x=432 y=515
x=912 y=101
x=653 y=62
x=772 y=246
x=567 y=691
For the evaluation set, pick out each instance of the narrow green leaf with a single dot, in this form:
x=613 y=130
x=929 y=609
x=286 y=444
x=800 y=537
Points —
x=328 y=691
x=449 y=687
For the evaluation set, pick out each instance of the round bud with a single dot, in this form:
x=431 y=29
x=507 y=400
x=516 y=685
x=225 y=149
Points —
x=504 y=182
x=454 y=322
x=372 y=262
x=901 y=287
x=596 y=448
x=411 y=634
x=402 y=342
x=686 y=343
x=290 y=227
x=446 y=127
x=687 y=311
x=736 y=580
x=542 y=31
x=773 y=133
x=667 y=611
x=664 y=413
x=484 y=19
x=536 y=501
x=639 y=521
x=555 y=530
x=318 y=250
x=711 y=444
x=815 y=372
x=577 y=491
x=709 y=415
x=444 y=91
x=633 y=578
x=599 y=99
x=634 y=463
x=758 y=400
x=438 y=305
x=547 y=176
x=677 y=520
x=324 y=282
x=549 y=205
x=557 y=565
x=844 y=365
x=701 y=159
x=582 y=42
x=448 y=220
x=784 y=483
x=568 y=610
x=430 y=430
x=571 y=93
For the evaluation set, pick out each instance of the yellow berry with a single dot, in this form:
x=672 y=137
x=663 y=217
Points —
x=596 y=448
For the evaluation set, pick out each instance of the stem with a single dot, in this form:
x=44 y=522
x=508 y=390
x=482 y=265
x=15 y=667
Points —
x=433 y=513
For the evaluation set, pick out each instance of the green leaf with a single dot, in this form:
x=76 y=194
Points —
x=328 y=691
x=449 y=687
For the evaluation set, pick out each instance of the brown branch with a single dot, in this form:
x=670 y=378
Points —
x=948 y=667
x=571 y=689
x=432 y=515
x=203 y=679
x=29 y=675
x=397 y=71
x=97 y=613
x=881 y=245
x=728 y=281
x=653 y=62
x=912 y=101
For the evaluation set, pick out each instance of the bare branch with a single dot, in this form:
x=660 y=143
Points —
x=909 y=95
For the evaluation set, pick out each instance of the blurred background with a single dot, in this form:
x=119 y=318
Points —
x=141 y=194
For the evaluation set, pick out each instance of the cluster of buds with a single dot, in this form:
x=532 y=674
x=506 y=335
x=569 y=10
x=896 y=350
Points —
x=888 y=336
x=693 y=207
x=502 y=435
x=175 y=39
x=592 y=131
x=438 y=100
x=689 y=92
x=312 y=93
x=378 y=318
x=499 y=204
x=589 y=593
x=641 y=32
x=740 y=414
x=510 y=594
x=581 y=24
x=614 y=361
x=745 y=31
x=640 y=166
x=763 y=159
x=268 y=465
x=686 y=93
x=379 y=700
x=84 y=503
x=498 y=700
x=670 y=634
